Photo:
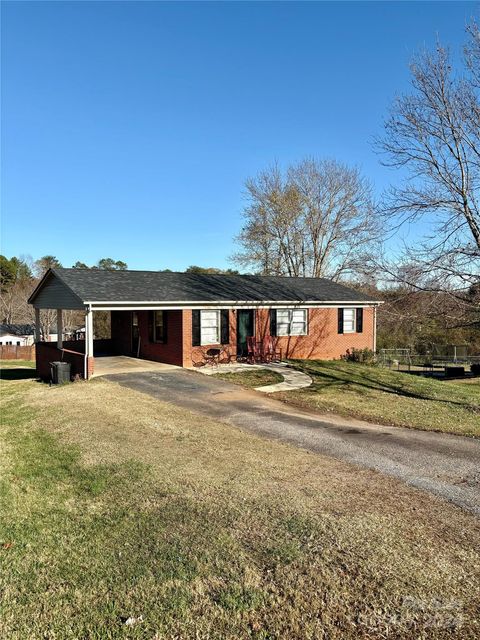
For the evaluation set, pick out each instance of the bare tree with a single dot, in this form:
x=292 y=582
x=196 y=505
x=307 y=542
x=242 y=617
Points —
x=316 y=219
x=433 y=135
x=13 y=302
x=472 y=52
x=43 y=264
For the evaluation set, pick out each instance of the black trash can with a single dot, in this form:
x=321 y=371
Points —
x=60 y=372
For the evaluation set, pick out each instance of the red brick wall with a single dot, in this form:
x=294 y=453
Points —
x=171 y=351
x=323 y=341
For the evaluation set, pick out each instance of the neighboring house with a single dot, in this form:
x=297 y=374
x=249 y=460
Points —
x=176 y=317
x=20 y=335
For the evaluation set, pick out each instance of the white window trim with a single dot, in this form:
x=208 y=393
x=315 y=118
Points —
x=204 y=342
x=354 y=330
x=290 y=322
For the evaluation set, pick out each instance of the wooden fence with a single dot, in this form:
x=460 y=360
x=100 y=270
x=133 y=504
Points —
x=14 y=352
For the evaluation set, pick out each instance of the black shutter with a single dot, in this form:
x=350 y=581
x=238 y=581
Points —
x=340 y=320
x=359 y=323
x=224 y=326
x=150 y=326
x=273 y=322
x=165 y=326
x=196 y=328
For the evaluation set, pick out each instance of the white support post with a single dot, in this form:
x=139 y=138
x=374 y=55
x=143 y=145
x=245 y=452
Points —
x=59 y=329
x=88 y=340
x=38 y=335
x=89 y=333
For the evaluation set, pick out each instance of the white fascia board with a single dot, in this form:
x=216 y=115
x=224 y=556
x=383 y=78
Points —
x=141 y=305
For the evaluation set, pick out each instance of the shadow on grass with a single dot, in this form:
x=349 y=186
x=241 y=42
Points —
x=17 y=373
x=340 y=377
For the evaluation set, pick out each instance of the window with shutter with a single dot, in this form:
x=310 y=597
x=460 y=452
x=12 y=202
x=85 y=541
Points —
x=209 y=327
x=225 y=326
x=349 y=321
x=195 y=328
x=359 y=320
x=291 y=322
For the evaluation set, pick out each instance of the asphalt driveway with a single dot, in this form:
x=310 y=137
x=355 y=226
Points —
x=445 y=465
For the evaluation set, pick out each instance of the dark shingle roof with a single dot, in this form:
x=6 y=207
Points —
x=95 y=285
x=17 y=329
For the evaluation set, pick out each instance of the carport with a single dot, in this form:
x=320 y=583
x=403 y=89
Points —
x=71 y=289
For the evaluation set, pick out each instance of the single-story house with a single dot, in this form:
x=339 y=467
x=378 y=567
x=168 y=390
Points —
x=20 y=335
x=177 y=318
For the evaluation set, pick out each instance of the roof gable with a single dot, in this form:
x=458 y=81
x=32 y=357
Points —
x=53 y=293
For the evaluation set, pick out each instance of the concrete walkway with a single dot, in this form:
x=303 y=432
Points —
x=444 y=465
x=292 y=379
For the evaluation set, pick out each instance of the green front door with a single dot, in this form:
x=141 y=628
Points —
x=245 y=329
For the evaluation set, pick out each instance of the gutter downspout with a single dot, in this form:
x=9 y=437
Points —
x=375 y=330
x=85 y=357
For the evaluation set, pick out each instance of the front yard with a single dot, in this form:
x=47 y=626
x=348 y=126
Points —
x=125 y=517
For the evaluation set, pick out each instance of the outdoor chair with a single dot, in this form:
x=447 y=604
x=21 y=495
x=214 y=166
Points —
x=254 y=353
x=271 y=351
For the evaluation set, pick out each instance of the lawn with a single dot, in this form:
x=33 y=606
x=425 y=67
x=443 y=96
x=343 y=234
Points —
x=253 y=378
x=389 y=397
x=116 y=508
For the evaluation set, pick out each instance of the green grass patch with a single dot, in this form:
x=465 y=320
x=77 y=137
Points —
x=389 y=397
x=253 y=378
x=10 y=364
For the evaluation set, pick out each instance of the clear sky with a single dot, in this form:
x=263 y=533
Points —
x=128 y=128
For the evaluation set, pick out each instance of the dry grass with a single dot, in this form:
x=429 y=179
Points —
x=118 y=505
x=253 y=378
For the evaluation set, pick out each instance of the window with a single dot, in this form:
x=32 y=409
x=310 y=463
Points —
x=209 y=327
x=349 y=321
x=291 y=322
x=18 y=343
x=159 y=333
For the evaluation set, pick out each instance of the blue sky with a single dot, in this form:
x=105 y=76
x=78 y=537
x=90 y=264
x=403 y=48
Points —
x=129 y=128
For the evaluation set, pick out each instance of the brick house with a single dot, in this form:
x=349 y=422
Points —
x=177 y=318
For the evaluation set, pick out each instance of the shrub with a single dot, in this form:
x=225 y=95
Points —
x=475 y=368
x=366 y=356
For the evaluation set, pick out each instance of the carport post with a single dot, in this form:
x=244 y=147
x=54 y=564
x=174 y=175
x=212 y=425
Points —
x=88 y=338
x=59 y=329
x=38 y=335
